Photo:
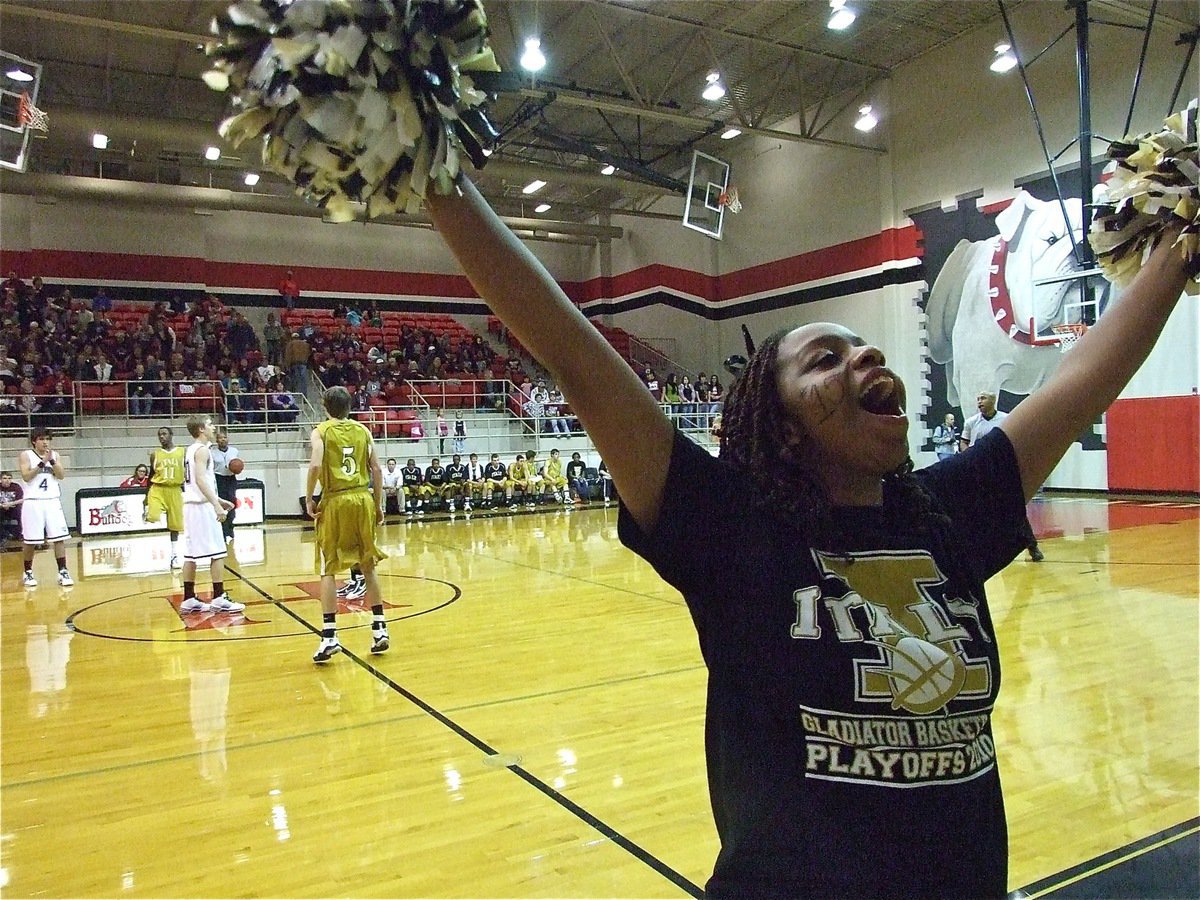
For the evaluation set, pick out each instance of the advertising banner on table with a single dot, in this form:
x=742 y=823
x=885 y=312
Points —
x=120 y=510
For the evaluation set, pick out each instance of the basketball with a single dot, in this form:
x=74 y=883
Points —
x=236 y=465
x=924 y=677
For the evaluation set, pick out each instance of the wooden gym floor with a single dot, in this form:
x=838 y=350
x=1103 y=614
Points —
x=536 y=729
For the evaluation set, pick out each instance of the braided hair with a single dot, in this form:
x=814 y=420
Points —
x=754 y=440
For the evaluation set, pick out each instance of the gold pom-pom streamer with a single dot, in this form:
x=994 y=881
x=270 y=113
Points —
x=1152 y=185
x=357 y=101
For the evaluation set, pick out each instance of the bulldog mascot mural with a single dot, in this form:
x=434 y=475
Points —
x=981 y=303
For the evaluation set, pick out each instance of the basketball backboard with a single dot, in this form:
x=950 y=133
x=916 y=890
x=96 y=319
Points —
x=17 y=76
x=707 y=183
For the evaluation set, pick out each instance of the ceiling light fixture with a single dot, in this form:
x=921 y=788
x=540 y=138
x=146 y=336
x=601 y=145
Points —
x=212 y=154
x=843 y=16
x=251 y=179
x=730 y=133
x=867 y=120
x=715 y=90
x=533 y=60
x=533 y=186
x=608 y=170
x=100 y=141
x=541 y=208
x=19 y=75
x=1005 y=58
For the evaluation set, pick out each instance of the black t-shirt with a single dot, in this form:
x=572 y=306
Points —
x=412 y=477
x=457 y=472
x=575 y=469
x=437 y=477
x=848 y=734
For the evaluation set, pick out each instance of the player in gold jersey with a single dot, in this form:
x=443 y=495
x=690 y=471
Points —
x=165 y=494
x=344 y=462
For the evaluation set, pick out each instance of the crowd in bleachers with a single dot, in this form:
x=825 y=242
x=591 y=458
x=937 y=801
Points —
x=121 y=358
x=145 y=359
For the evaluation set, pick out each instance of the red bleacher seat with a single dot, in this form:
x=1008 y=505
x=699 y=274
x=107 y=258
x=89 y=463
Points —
x=114 y=399
x=91 y=399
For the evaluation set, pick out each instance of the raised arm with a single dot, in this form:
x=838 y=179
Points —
x=617 y=411
x=1098 y=367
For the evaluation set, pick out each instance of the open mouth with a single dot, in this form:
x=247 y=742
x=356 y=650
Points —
x=881 y=396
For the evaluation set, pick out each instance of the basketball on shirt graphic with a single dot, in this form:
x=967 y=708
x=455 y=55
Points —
x=923 y=676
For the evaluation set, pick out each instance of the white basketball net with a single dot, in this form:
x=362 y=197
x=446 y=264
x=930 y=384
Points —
x=1068 y=334
x=32 y=117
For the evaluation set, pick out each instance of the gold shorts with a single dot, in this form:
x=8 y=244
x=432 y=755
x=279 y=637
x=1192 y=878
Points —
x=165 y=498
x=346 y=532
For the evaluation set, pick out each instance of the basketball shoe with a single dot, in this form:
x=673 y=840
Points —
x=194 y=605
x=328 y=648
x=222 y=603
x=379 y=640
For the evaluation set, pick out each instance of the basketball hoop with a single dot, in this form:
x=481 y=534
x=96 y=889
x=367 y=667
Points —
x=29 y=116
x=1068 y=333
x=729 y=200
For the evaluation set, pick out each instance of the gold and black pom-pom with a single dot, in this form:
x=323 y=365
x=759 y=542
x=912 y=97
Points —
x=1152 y=185
x=357 y=101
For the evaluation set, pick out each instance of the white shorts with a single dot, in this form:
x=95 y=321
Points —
x=202 y=539
x=43 y=522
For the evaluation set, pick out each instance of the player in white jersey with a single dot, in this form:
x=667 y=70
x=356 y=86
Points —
x=203 y=512
x=42 y=518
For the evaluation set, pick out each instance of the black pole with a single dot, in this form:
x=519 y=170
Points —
x=1084 y=255
x=1137 y=76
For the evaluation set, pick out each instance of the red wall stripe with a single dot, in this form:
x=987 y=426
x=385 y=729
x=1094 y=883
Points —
x=869 y=252
x=1154 y=444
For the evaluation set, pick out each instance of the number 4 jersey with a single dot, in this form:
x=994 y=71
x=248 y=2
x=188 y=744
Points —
x=43 y=486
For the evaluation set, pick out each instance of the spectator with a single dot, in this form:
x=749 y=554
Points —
x=391 y=488
x=295 y=359
x=606 y=482
x=670 y=398
x=102 y=368
x=139 y=479
x=240 y=336
x=687 y=397
x=556 y=422
x=282 y=407
x=651 y=381
x=139 y=392
x=8 y=367
x=460 y=433
x=101 y=303
x=577 y=480
x=11 y=495
x=716 y=394
x=703 y=419
x=289 y=290
x=945 y=438
x=58 y=407
x=28 y=402
x=443 y=430
x=273 y=335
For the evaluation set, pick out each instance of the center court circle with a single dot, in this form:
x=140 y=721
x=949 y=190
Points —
x=273 y=607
